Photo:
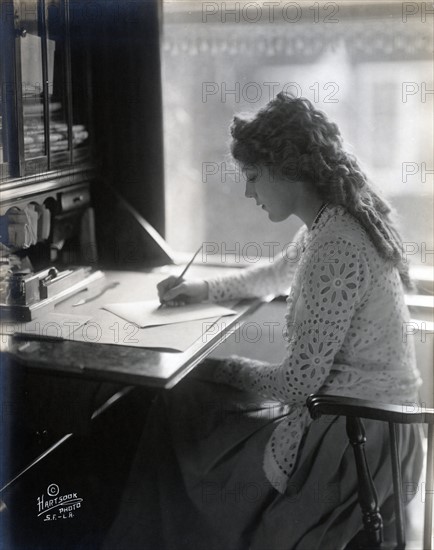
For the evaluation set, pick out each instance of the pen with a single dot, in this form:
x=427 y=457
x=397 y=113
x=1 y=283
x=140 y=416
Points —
x=179 y=279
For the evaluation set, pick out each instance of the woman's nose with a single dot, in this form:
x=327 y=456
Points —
x=249 y=194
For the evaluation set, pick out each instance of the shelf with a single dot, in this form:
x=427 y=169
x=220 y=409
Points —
x=48 y=115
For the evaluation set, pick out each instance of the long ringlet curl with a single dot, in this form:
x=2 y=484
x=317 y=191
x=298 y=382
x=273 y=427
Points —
x=299 y=141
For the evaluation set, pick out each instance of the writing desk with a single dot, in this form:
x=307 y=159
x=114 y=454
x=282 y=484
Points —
x=124 y=364
x=77 y=370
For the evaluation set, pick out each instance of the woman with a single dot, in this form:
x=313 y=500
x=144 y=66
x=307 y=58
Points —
x=230 y=458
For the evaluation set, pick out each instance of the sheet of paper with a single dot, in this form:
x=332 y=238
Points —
x=49 y=325
x=147 y=313
x=107 y=328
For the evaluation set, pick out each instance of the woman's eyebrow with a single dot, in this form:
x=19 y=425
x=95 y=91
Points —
x=249 y=171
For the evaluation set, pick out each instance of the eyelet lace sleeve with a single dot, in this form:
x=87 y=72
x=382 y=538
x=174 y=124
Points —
x=261 y=280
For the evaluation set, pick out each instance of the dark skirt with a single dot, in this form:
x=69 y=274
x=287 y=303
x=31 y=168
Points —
x=197 y=482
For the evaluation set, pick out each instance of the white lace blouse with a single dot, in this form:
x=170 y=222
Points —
x=345 y=330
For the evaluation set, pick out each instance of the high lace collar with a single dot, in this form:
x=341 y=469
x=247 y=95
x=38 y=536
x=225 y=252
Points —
x=330 y=211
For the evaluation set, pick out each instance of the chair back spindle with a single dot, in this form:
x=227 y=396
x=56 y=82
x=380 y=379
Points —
x=397 y=487
x=428 y=518
x=372 y=520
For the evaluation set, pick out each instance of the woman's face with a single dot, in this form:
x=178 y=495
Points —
x=270 y=191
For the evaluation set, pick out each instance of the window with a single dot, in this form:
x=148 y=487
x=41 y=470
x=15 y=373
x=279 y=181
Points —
x=367 y=67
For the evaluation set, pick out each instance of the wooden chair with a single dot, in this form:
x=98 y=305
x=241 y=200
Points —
x=354 y=410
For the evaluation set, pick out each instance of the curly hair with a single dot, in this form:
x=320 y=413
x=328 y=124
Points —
x=299 y=141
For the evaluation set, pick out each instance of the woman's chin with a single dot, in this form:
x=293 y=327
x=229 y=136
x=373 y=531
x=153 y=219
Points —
x=275 y=218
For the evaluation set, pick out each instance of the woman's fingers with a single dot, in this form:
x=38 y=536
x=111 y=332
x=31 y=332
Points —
x=174 y=303
x=171 y=291
x=165 y=285
x=175 y=291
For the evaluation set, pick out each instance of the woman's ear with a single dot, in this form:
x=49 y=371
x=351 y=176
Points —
x=283 y=179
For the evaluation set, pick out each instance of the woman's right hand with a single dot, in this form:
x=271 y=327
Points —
x=188 y=291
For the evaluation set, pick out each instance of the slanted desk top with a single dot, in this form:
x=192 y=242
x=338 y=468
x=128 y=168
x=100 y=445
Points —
x=126 y=365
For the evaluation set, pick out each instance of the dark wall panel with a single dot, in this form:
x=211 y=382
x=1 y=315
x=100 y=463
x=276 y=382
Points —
x=127 y=105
